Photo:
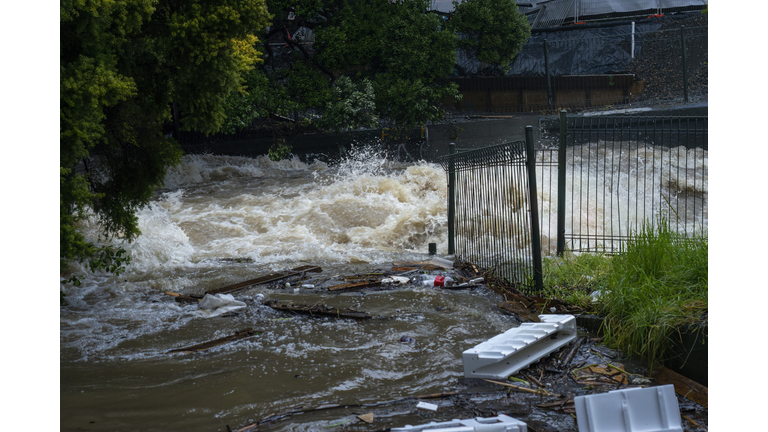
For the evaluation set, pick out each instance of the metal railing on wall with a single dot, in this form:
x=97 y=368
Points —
x=493 y=210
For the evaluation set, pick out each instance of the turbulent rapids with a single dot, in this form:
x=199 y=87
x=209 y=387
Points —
x=222 y=220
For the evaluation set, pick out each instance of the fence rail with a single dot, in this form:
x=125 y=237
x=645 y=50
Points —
x=493 y=194
x=608 y=177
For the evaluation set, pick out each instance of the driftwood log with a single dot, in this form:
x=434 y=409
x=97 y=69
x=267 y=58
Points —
x=318 y=309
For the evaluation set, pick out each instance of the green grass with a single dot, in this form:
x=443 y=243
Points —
x=656 y=285
x=574 y=278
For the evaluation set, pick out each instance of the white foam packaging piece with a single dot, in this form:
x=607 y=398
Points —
x=508 y=353
x=500 y=423
x=652 y=409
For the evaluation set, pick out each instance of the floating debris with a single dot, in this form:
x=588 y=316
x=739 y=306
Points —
x=356 y=285
x=242 y=334
x=271 y=277
x=319 y=309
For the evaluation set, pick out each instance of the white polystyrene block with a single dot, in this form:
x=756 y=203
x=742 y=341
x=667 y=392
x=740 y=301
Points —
x=515 y=349
x=500 y=423
x=652 y=409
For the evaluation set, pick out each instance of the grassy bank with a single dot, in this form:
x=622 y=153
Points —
x=656 y=285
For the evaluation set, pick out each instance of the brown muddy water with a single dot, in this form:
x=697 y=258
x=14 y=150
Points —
x=222 y=220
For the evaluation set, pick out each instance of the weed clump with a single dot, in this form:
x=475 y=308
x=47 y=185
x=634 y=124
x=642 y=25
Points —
x=646 y=293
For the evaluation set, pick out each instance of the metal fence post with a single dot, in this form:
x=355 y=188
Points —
x=451 y=200
x=685 y=66
x=546 y=70
x=561 y=184
x=534 y=202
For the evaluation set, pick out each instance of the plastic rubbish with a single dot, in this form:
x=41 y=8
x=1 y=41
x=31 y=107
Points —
x=427 y=406
x=218 y=304
x=395 y=280
x=435 y=281
x=508 y=353
x=259 y=298
x=442 y=262
x=476 y=281
x=652 y=409
x=307 y=286
x=500 y=423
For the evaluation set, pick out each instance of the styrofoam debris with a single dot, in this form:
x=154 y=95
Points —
x=442 y=262
x=508 y=353
x=427 y=406
x=218 y=304
x=652 y=409
x=500 y=423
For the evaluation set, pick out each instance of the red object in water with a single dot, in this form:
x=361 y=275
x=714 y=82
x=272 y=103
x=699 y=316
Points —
x=656 y=16
x=440 y=281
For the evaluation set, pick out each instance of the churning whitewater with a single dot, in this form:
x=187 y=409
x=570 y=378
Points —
x=222 y=220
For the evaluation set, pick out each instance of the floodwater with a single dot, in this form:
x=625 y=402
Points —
x=222 y=220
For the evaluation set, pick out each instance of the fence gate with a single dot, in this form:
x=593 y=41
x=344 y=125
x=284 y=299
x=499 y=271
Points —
x=493 y=213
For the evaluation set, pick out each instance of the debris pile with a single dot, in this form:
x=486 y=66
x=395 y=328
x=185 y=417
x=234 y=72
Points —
x=542 y=365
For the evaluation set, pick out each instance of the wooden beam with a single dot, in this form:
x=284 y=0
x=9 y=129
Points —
x=365 y=284
x=271 y=277
x=683 y=386
x=242 y=334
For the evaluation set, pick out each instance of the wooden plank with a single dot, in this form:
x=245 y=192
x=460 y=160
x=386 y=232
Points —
x=683 y=386
x=366 y=284
x=188 y=298
x=319 y=309
x=271 y=277
x=518 y=309
x=242 y=334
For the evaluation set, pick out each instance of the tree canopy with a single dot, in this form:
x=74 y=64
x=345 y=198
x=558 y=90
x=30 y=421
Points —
x=126 y=65
x=122 y=65
x=403 y=49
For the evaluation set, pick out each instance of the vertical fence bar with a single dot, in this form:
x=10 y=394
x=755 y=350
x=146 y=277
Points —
x=451 y=200
x=535 y=235
x=685 y=66
x=546 y=69
x=561 y=185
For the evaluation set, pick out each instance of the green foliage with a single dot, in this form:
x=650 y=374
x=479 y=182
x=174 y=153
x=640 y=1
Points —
x=351 y=106
x=400 y=47
x=657 y=284
x=279 y=150
x=454 y=131
x=574 y=277
x=122 y=64
x=493 y=31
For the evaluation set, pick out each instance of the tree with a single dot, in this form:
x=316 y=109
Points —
x=122 y=66
x=397 y=52
x=404 y=50
x=493 y=31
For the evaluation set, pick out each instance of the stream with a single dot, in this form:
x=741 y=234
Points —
x=221 y=220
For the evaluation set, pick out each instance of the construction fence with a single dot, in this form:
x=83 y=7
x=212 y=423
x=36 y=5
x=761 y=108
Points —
x=641 y=65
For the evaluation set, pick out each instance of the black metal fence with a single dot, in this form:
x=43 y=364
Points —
x=607 y=177
x=492 y=210
x=616 y=173
x=635 y=67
